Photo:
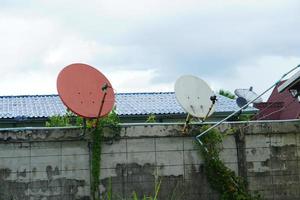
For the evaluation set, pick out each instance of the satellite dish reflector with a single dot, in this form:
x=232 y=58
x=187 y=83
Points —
x=240 y=101
x=194 y=95
x=85 y=91
x=245 y=96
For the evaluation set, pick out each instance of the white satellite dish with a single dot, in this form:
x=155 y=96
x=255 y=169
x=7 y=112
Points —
x=195 y=96
x=245 y=96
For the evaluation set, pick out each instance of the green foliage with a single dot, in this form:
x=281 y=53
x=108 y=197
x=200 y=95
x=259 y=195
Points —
x=176 y=194
x=157 y=188
x=151 y=119
x=241 y=117
x=112 y=122
x=226 y=94
x=221 y=178
x=69 y=119
x=96 y=159
x=97 y=135
x=109 y=195
x=58 y=121
x=245 y=117
x=134 y=196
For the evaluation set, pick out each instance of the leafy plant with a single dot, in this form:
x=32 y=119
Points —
x=96 y=160
x=97 y=135
x=69 y=119
x=58 y=121
x=242 y=117
x=112 y=122
x=226 y=94
x=221 y=178
x=151 y=119
x=245 y=117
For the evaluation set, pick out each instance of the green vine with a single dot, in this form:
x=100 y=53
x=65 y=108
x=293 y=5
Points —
x=106 y=129
x=96 y=160
x=221 y=178
x=108 y=124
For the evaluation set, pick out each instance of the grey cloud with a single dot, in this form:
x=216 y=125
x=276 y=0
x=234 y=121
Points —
x=200 y=40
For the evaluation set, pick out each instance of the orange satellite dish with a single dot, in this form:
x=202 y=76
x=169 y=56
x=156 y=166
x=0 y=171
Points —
x=85 y=91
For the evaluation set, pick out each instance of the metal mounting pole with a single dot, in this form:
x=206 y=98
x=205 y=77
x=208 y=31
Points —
x=104 y=89
x=187 y=121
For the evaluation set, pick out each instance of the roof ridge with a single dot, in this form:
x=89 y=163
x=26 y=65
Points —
x=130 y=93
x=47 y=95
x=29 y=95
x=121 y=93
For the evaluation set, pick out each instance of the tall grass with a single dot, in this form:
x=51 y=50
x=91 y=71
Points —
x=175 y=194
x=157 y=188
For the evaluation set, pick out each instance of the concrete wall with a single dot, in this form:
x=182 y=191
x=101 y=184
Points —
x=266 y=154
x=149 y=154
x=43 y=164
x=54 y=163
x=273 y=159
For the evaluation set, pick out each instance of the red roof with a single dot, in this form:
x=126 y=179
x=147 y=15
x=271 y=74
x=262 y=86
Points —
x=279 y=106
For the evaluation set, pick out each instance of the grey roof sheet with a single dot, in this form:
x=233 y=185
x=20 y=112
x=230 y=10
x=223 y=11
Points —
x=40 y=106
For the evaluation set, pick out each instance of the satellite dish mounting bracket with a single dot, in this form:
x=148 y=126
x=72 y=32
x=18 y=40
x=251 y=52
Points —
x=195 y=97
x=105 y=86
x=213 y=100
x=189 y=117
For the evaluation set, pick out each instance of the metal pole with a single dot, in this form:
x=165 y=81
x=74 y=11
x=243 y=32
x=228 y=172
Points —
x=101 y=106
x=220 y=122
x=187 y=121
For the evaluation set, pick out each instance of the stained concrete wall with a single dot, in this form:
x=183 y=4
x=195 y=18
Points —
x=265 y=153
x=44 y=164
x=54 y=163
x=273 y=159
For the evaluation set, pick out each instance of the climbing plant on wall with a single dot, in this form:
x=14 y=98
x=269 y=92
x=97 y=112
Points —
x=96 y=128
x=220 y=177
x=110 y=122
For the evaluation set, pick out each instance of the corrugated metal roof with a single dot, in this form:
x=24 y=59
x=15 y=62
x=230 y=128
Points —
x=39 y=106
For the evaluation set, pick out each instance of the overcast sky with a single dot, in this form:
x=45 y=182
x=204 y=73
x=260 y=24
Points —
x=144 y=46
